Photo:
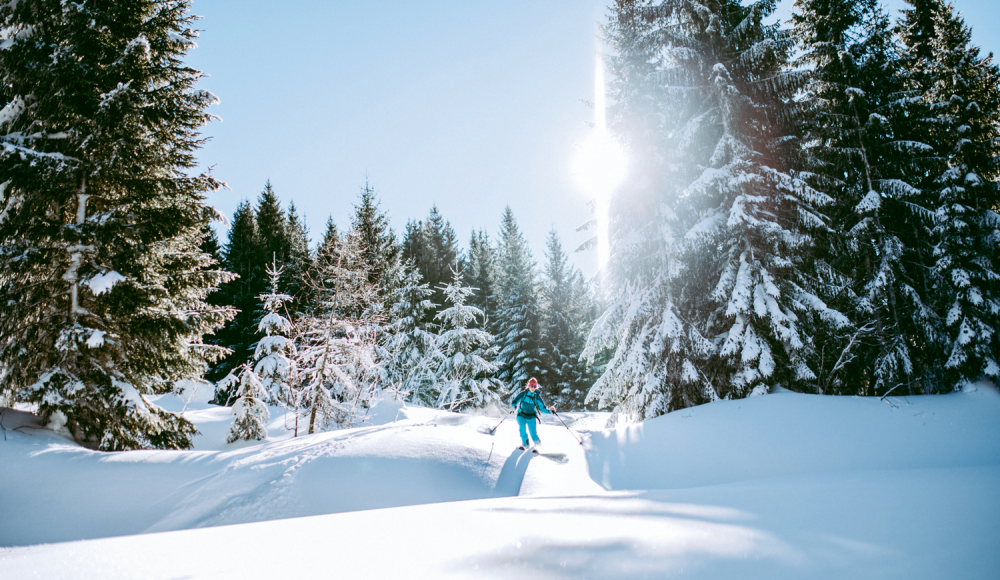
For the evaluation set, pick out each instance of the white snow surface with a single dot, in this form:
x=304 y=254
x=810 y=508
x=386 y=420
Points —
x=779 y=486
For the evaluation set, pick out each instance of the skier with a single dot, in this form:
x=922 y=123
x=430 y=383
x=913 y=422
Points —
x=528 y=402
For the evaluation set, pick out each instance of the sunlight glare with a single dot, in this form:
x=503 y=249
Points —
x=599 y=166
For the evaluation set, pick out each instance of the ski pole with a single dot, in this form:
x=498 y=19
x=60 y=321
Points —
x=567 y=427
x=501 y=421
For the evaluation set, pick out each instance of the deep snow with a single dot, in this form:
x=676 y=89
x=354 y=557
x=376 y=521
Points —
x=779 y=486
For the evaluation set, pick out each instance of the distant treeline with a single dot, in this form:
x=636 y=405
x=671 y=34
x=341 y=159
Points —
x=531 y=320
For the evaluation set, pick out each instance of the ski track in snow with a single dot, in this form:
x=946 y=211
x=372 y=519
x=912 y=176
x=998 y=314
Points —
x=779 y=486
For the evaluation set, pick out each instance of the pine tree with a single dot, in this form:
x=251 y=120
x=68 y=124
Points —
x=299 y=260
x=270 y=376
x=960 y=250
x=380 y=249
x=479 y=273
x=656 y=119
x=442 y=264
x=251 y=413
x=516 y=326
x=565 y=317
x=709 y=277
x=243 y=255
x=411 y=360
x=275 y=352
x=433 y=247
x=210 y=244
x=413 y=243
x=337 y=356
x=465 y=373
x=103 y=281
x=326 y=250
x=863 y=148
x=272 y=226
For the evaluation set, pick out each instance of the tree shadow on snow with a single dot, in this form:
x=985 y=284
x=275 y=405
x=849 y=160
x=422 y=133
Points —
x=632 y=536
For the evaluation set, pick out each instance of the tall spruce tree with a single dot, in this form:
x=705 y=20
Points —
x=517 y=324
x=709 y=281
x=103 y=280
x=272 y=226
x=566 y=316
x=325 y=250
x=243 y=256
x=210 y=244
x=295 y=268
x=466 y=366
x=378 y=241
x=960 y=248
x=411 y=361
x=337 y=356
x=433 y=247
x=479 y=273
x=412 y=246
x=863 y=147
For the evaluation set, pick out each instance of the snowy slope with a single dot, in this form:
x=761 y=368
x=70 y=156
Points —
x=792 y=434
x=60 y=491
x=780 y=486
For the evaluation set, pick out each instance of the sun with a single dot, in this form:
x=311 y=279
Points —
x=599 y=165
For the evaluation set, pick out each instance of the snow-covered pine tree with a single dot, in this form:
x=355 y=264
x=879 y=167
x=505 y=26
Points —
x=963 y=89
x=251 y=413
x=299 y=259
x=256 y=238
x=275 y=353
x=861 y=148
x=272 y=226
x=479 y=273
x=324 y=251
x=380 y=249
x=650 y=113
x=102 y=279
x=466 y=368
x=516 y=326
x=327 y=244
x=411 y=355
x=708 y=279
x=433 y=247
x=337 y=355
x=565 y=318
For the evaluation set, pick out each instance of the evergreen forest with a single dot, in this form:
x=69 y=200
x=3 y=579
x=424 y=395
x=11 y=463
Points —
x=810 y=205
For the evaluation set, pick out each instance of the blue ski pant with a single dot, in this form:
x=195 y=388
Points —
x=529 y=424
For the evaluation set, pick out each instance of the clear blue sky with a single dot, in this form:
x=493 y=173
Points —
x=465 y=104
x=469 y=105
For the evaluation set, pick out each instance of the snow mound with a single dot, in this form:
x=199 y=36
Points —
x=778 y=486
x=789 y=433
x=436 y=457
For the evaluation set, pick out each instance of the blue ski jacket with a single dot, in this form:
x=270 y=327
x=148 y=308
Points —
x=530 y=404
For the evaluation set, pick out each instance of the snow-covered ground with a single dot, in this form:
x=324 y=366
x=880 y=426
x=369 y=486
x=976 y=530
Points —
x=779 y=486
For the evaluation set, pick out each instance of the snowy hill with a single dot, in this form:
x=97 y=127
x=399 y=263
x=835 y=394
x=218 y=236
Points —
x=779 y=486
x=792 y=434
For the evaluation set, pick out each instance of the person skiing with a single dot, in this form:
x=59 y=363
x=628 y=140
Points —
x=528 y=402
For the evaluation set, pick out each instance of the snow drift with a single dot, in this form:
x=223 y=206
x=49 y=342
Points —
x=779 y=486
